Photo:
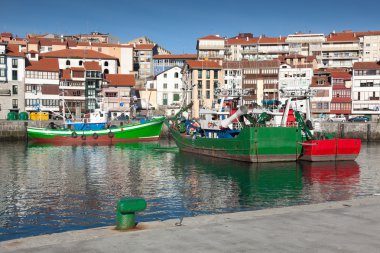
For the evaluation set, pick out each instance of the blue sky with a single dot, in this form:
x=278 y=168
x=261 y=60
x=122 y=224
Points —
x=176 y=25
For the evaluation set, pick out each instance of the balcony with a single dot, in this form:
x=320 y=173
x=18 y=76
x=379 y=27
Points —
x=339 y=56
x=211 y=47
x=340 y=48
x=212 y=56
x=249 y=51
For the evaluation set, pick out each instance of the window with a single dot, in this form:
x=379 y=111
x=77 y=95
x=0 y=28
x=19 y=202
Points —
x=151 y=85
x=176 y=86
x=165 y=86
x=165 y=75
x=99 y=49
x=325 y=105
x=76 y=93
x=106 y=71
x=67 y=63
x=14 y=103
x=199 y=84
x=207 y=74
x=15 y=89
x=2 y=59
x=176 y=75
x=199 y=73
x=208 y=84
x=14 y=74
x=2 y=72
x=14 y=63
x=80 y=63
x=164 y=99
x=215 y=74
x=207 y=94
x=176 y=97
x=199 y=94
x=106 y=63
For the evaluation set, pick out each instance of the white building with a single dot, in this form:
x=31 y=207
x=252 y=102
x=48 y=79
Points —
x=293 y=79
x=42 y=86
x=370 y=42
x=233 y=79
x=366 y=88
x=169 y=87
x=12 y=71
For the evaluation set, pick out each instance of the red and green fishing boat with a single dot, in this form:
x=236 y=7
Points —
x=148 y=130
x=259 y=140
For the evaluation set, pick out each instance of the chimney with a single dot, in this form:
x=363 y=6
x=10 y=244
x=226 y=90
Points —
x=247 y=39
x=19 y=48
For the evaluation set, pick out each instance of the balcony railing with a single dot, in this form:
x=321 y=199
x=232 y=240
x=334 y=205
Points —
x=5 y=92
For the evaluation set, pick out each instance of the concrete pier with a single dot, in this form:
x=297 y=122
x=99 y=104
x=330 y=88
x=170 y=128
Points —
x=346 y=226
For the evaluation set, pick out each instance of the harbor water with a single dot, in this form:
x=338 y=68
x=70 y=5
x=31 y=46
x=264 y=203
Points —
x=49 y=189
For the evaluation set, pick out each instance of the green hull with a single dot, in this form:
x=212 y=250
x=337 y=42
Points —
x=253 y=144
x=147 y=131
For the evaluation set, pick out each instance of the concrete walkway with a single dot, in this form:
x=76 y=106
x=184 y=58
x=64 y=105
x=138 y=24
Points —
x=348 y=226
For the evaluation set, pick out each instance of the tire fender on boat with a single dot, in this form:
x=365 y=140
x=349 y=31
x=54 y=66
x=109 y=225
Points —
x=83 y=137
x=110 y=134
x=95 y=135
x=74 y=135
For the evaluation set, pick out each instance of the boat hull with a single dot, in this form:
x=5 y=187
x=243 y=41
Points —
x=141 y=132
x=256 y=144
x=331 y=150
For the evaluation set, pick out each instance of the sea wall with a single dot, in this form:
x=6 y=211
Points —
x=16 y=130
x=364 y=131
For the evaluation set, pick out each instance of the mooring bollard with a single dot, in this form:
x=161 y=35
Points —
x=125 y=212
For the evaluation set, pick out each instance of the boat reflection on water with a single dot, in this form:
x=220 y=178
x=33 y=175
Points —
x=329 y=181
x=240 y=185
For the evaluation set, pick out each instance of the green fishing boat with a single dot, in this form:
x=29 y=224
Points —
x=148 y=130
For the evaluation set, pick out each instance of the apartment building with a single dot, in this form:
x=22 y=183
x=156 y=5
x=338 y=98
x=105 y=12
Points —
x=123 y=52
x=12 y=72
x=143 y=60
x=260 y=78
x=341 y=92
x=201 y=80
x=306 y=44
x=233 y=78
x=341 y=50
x=96 y=37
x=246 y=47
x=162 y=62
x=370 y=44
x=116 y=91
x=169 y=87
x=366 y=88
x=322 y=89
x=292 y=79
x=42 y=86
x=211 y=48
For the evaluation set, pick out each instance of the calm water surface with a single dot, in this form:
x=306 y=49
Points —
x=47 y=189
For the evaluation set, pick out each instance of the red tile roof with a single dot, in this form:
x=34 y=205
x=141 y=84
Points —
x=77 y=53
x=271 y=40
x=46 y=64
x=6 y=34
x=368 y=33
x=340 y=75
x=366 y=65
x=193 y=64
x=33 y=52
x=13 y=50
x=122 y=80
x=211 y=37
x=144 y=46
x=241 y=41
x=344 y=36
x=92 y=65
x=175 y=56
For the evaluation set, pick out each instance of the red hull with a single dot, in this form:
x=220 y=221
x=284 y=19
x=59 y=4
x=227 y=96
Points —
x=331 y=150
x=101 y=140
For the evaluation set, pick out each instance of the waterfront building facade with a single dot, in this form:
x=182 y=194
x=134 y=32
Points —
x=341 y=102
x=143 y=60
x=366 y=88
x=201 y=79
x=169 y=88
x=211 y=48
x=12 y=72
x=260 y=79
x=233 y=78
x=322 y=89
